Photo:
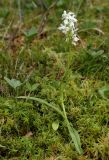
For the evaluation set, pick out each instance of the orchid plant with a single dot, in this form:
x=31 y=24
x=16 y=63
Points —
x=69 y=27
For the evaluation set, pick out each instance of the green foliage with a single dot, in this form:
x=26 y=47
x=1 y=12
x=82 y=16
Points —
x=104 y=92
x=30 y=33
x=70 y=83
x=32 y=87
x=13 y=82
x=55 y=125
x=73 y=133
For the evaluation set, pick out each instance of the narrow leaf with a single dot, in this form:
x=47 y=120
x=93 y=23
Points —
x=73 y=133
x=76 y=139
x=43 y=102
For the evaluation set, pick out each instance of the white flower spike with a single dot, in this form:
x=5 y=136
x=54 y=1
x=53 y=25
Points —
x=69 y=26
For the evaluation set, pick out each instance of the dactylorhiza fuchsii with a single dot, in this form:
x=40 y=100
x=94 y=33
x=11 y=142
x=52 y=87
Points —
x=69 y=26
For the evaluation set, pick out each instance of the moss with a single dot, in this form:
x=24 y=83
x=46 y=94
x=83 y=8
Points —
x=41 y=66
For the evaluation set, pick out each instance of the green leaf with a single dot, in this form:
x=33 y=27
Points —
x=43 y=102
x=32 y=87
x=96 y=54
x=60 y=3
x=104 y=92
x=4 y=12
x=55 y=125
x=13 y=82
x=31 y=32
x=73 y=133
x=75 y=138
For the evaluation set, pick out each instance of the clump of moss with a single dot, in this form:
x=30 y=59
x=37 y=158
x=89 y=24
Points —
x=40 y=64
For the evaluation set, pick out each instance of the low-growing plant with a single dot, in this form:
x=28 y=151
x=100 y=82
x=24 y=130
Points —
x=65 y=93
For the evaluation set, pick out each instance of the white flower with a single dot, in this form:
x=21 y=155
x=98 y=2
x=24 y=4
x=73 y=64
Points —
x=75 y=39
x=69 y=26
x=64 y=14
x=64 y=28
x=66 y=21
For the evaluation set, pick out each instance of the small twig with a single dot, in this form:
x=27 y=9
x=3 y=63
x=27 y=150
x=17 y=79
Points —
x=44 y=18
x=6 y=31
x=20 y=11
x=99 y=30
